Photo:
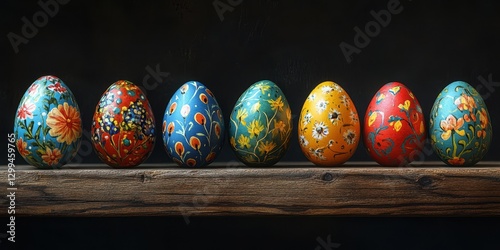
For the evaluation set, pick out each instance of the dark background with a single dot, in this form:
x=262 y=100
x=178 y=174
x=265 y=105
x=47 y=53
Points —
x=91 y=44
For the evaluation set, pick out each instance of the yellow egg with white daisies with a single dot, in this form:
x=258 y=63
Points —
x=328 y=128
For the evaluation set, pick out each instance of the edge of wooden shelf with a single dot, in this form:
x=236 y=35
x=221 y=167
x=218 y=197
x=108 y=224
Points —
x=354 y=189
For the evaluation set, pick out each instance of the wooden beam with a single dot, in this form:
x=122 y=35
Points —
x=354 y=189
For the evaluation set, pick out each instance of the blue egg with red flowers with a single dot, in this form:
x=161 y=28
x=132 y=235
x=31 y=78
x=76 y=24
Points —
x=193 y=126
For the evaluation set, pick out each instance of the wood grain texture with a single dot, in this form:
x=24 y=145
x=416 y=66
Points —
x=355 y=189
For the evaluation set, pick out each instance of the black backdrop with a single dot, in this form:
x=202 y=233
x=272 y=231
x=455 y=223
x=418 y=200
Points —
x=296 y=44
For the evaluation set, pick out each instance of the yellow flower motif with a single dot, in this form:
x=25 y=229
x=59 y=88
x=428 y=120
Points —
x=406 y=106
x=276 y=104
x=279 y=127
x=397 y=125
x=241 y=115
x=380 y=98
x=411 y=95
x=255 y=128
x=394 y=90
x=266 y=147
x=255 y=107
x=288 y=114
x=372 y=118
x=243 y=141
x=233 y=142
x=422 y=127
x=263 y=88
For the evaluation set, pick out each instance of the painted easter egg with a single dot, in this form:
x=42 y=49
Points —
x=460 y=127
x=394 y=127
x=329 y=128
x=193 y=126
x=123 y=126
x=48 y=126
x=261 y=124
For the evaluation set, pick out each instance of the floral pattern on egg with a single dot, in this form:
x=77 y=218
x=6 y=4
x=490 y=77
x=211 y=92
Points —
x=193 y=126
x=261 y=125
x=394 y=126
x=329 y=128
x=48 y=125
x=123 y=126
x=460 y=127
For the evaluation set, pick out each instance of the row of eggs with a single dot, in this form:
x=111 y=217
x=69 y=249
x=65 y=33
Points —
x=48 y=126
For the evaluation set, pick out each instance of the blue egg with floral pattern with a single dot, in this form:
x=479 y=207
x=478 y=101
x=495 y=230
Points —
x=261 y=125
x=193 y=126
x=460 y=125
x=47 y=125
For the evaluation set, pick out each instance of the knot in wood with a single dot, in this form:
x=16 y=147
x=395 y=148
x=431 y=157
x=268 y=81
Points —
x=327 y=177
x=424 y=181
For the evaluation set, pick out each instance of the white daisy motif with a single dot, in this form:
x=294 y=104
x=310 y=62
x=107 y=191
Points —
x=345 y=100
x=318 y=153
x=334 y=116
x=311 y=97
x=303 y=141
x=354 y=117
x=337 y=88
x=349 y=136
x=326 y=89
x=320 y=130
x=307 y=118
x=321 y=105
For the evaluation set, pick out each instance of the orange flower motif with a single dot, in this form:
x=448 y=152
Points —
x=456 y=161
x=451 y=124
x=200 y=118
x=170 y=128
x=195 y=143
x=21 y=147
x=471 y=117
x=465 y=102
x=173 y=106
x=179 y=148
x=65 y=123
x=483 y=119
x=203 y=98
x=51 y=157
x=210 y=157
x=191 y=162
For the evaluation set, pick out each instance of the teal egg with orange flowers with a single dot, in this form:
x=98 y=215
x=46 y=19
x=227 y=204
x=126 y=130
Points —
x=193 y=126
x=460 y=125
x=47 y=125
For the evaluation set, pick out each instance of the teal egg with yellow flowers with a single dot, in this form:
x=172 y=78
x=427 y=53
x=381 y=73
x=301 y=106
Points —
x=260 y=125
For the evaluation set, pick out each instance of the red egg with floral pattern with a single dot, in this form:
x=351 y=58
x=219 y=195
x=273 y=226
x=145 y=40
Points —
x=123 y=126
x=394 y=127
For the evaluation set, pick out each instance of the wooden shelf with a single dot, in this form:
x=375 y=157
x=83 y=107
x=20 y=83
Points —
x=354 y=189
